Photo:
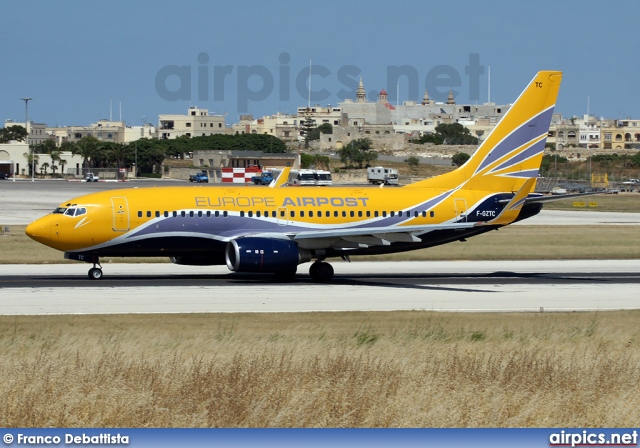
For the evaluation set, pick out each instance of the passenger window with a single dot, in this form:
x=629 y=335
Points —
x=432 y=213
x=351 y=213
x=384 y=214
x=310 y=213
x=400 y=214
x=327 y=214
x=302 y=213
x=282 y=213
x=157 y=214
x=375 y=213
x=368 y=214
x=242 y=214
x=191 y=214
x=257 y=214
x=166 y=214
x=175 y=214
x=200 y=214
x=344 y=214
x=183 y=213
x=292 y=214
x=225 y=214
x=148 y=213
x=424 y=213
x=140 y=214
x=208 y=214
x=335 y=213
x=217 y=214
x=250 y=214
x=359 y=213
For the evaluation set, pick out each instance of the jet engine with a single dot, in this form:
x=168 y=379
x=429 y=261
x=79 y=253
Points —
x=254 y=254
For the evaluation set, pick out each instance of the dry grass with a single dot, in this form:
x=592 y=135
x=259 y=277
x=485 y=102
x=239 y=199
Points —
x=400 y=369
x=509 y=243
x=623 y=202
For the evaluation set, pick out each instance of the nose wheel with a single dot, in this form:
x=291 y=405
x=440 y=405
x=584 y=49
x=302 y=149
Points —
x=95 y=273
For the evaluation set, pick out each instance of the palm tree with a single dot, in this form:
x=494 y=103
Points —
x=119 y=153
x=33 y=160
x=44 y=167
x=87 y=148
x=62 y=162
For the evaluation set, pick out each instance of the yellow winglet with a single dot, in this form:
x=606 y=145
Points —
x=511 y=211
x=282 y=178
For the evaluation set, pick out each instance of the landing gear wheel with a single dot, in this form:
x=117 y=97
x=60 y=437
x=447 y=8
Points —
x=95 y=273
x=321 y=272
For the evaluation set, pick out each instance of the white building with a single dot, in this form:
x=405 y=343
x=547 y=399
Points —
x=196 y=123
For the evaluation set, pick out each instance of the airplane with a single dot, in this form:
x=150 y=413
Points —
x=274 y=230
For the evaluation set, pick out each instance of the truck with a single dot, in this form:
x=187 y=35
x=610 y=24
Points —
x=380 y=175
x=265 y=178
x=201 y=177
x=92 y=177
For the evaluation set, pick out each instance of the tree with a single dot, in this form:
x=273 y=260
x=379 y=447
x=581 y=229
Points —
x=33 y=160
x=43 y=168
x=15 y=132
x=63 y=163
x=307 y=125
x=357 y=152
x=87 y=148
x=46 y=147
x=316 y=161
x=460 y=158
x=324 y=128
x=412 y=161
x=450 y=134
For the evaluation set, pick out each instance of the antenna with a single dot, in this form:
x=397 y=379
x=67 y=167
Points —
x=489 y=85
x=309 y=101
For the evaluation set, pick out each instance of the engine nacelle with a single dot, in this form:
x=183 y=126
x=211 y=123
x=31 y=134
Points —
x=253 y=254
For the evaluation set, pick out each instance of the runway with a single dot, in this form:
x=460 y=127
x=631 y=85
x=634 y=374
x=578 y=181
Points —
x=478 y=286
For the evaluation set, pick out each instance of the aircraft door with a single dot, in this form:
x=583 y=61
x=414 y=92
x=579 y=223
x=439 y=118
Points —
x=283 y=220
x=120 y=214
x=461 y=209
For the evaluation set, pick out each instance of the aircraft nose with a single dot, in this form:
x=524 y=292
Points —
x=39 y=229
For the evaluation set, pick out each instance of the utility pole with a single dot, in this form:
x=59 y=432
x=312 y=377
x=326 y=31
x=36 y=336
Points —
x=26 y=128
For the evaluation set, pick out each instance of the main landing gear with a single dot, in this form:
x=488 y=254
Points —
x=95 y=273
x=321 y=272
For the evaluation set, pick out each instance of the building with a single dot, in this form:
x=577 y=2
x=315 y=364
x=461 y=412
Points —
x=36 y=131
x=243 y=159
x=282 y=126
x=15 y=158
x=196 y=123
x=417 y=118
x=103 y=130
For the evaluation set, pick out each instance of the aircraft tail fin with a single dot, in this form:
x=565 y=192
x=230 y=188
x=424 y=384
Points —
x=512 y=153
x=282 y=178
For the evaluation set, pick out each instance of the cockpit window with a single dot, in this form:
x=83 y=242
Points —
x=70 y=211
x=60 y=210
x=81 y=211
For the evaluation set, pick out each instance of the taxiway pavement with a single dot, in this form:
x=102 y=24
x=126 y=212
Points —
x=481 y=286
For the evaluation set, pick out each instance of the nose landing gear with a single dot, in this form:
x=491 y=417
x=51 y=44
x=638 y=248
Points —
x=95 y=273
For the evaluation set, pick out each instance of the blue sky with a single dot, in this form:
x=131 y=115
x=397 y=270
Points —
x=235 y=57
